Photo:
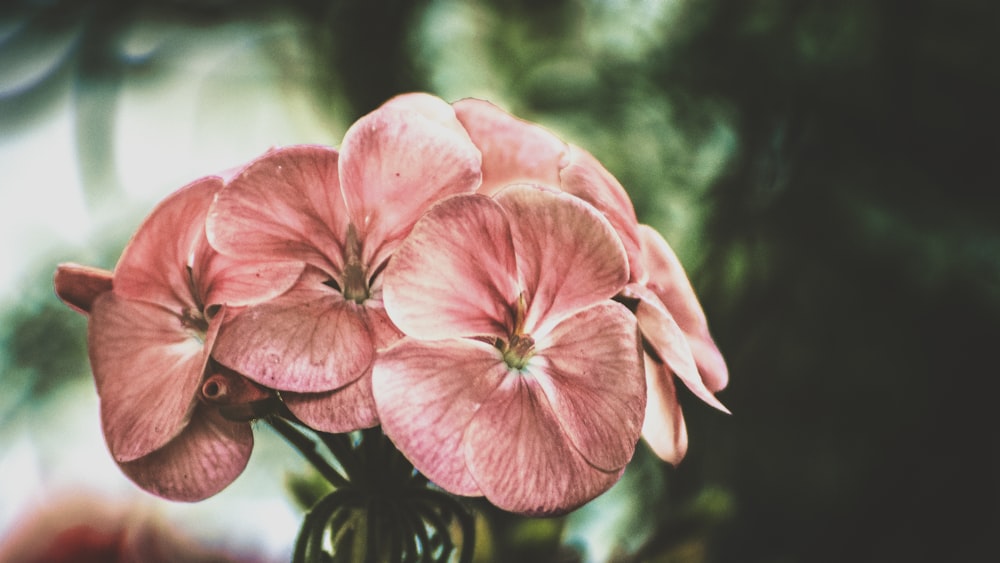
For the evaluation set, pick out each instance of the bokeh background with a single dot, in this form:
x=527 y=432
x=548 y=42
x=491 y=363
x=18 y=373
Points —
x=827 y=172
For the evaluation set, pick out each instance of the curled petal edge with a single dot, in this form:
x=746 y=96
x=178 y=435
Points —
x=669 y=342
x=78 y=286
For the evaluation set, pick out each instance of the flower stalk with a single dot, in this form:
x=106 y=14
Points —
x=380 y=508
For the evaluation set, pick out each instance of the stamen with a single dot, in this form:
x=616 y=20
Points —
x=355 y=284
x=520 y=312
x=355 y=287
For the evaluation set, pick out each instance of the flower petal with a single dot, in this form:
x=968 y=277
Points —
x=711 y=364
x=204 y=459
x=384 y=332
x=567 y=253
x=668 y=280
x=395 y=163
x=522 y=460
x=669 y=342
x=663 y=427
x=221 y=279
x=426 y=394
x=148 y=370
x=587 y=179
x=286 y=205
x=455 y=275
x=591 y=372
x=154 y=265
x=431 y=107
x=308 y=340
x=514 y=151
x=349 y=408
x=78 y=286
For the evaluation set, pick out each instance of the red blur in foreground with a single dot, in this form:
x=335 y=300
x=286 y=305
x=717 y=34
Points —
x=85 y=529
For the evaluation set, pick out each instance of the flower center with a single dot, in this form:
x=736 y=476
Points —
x=195 y=322
x=521 y=347
x=518 y=351
x=355 y=285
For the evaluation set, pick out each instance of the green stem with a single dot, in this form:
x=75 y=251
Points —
x=342 y=449
x=396 y=503
x=309 y=544
x=307 y=447
x=449 y=507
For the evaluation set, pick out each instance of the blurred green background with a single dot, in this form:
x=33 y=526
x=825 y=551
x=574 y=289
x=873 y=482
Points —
x=827 y=172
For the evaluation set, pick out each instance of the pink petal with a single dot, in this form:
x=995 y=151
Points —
x=587 y=179
x=592 y=376
x=384 y=332
x=148 y=370
x=154 y=265
x=522 y=460
x=78 y=286
x=200 y=462
x=711 y=364
x=663 y=427
x=395 y=163
x=431 y=107
x=285 y=206
x=669 y=342
x=568 y=254
x=347 y=409
x=221 y=279
x=455 y=275
x=427 y=394
x=309 y=340
x=514 y=151
x=668 y=280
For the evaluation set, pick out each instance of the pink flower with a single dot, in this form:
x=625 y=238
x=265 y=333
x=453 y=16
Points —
x=342 y=214
x=669 y=315
x=151 y=328
x=520 y=379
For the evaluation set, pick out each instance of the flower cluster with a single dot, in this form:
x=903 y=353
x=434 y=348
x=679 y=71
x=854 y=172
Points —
x=464 y=279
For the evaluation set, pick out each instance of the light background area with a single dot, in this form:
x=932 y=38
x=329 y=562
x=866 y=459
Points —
x=218 y=98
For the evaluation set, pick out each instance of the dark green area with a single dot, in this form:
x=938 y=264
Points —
x=844 y=238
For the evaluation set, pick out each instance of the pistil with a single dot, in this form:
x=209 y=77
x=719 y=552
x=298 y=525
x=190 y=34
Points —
x=519 y=350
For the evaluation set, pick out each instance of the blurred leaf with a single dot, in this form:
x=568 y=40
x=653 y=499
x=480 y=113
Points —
x=42 y=347
x=306 y=489
x=625 y=517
